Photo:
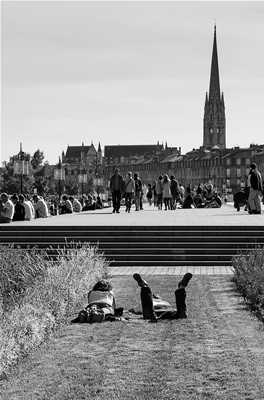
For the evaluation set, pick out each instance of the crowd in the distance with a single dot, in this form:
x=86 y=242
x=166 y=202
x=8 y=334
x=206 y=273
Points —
x=165 y=193
x=19 y=207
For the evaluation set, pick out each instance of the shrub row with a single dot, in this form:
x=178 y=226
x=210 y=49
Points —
x=249 y=278
x=38 y=295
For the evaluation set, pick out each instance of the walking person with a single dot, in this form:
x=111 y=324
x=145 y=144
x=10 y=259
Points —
x=129 y=191
x=256 y=188
x=116 y=187
x=155 y=196
x=149 y=194
x=159 y=189
x=166 y=192
x=138 y=191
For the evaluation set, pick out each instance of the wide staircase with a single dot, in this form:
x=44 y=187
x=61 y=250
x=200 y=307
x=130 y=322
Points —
x=143 y=245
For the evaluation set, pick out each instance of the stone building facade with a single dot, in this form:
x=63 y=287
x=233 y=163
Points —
x=82 y=164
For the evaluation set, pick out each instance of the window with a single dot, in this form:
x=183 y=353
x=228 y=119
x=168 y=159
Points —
x=238 y=172
x=228 y=161
x=238 y=161
x=228 y=172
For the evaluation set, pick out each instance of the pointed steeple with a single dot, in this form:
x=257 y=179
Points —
x=214 y=132
x=99 y=148
x=214 y=88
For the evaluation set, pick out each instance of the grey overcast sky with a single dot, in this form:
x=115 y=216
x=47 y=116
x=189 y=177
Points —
x=127 y=73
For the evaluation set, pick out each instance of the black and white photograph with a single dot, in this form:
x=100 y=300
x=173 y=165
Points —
x=132 y=200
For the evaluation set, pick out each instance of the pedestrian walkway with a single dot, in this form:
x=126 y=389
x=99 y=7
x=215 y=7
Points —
x=163 y=270
x=224 y=216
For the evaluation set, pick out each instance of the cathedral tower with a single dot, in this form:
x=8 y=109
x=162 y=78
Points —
x=214 y=127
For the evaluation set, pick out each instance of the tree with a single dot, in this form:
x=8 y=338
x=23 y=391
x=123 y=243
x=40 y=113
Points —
x=37 y=159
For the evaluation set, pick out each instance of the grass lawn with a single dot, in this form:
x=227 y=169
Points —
x=217 y=353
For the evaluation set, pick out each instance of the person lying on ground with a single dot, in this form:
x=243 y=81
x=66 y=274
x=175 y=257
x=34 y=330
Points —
x=101 y=305
x=155 y=308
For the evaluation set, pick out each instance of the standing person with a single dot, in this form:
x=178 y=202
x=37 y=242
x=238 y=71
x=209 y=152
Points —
x=19 y=214
x=182 y=192
x=41 y=208
x=149 y=194
x=159 y=189
x=256 y=188
x=155 y=197
x=138 y=191
x=129 y=191
x=174 y=187
x=166 y=192
x=7 y=209
x=116 y=187
x=29 y=214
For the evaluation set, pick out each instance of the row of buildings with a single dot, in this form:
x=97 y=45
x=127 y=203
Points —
x=83 y=168
x=226 y=168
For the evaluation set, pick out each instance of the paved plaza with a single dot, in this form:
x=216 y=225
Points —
x=224 y=216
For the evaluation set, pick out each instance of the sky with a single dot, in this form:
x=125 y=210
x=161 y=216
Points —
x=127 y=73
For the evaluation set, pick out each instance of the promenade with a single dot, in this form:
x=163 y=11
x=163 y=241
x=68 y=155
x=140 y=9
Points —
x=224 y=216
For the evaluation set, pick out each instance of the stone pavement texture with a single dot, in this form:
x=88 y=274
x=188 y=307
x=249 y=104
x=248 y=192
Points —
x=174 y=271
x=224 y=216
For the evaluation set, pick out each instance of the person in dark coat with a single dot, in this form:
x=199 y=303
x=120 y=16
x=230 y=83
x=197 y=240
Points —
x=256 y=188
x=116 y=187
x=19 y=214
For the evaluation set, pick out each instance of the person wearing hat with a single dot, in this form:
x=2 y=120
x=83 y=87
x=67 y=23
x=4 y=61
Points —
x=256 y=188
x=155 y=308
x=7 y=209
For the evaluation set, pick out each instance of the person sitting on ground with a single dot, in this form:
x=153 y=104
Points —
x=28 y=207
x=7 y=209
x=98 y=203
x=19 y=214
x=154 y=307
x=41 y=208
x=101 y=305
x=89 y=203
x=66 y=205
x=76 y=205
x=188 y=201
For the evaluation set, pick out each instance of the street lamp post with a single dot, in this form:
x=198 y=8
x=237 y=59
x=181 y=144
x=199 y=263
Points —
x=21 y=167
x=82 y=179
x=59 y=175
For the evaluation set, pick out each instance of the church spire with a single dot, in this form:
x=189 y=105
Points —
x=214 y=132
x=214 y=88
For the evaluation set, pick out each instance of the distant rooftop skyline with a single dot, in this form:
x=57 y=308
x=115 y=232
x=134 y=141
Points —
x=127 y=73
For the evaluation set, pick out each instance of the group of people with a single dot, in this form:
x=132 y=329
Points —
x=19 y=207
x=166 y=192
x=250 y=197
x=102 y=303
x=22 y=208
